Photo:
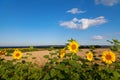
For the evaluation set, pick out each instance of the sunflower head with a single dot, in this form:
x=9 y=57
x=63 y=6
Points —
x=90 y=56
x=0 y=53
x=108 y=57
x=3 y=52
x=73 y=46
x=62 y=53
x=17 y=54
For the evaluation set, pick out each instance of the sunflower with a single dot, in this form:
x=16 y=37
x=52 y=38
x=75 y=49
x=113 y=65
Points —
x=17 y=54
x=62 y=53
x=73 y=46
x=108 y=57
x=90 y=56
x=3 y=52
x=0 y=53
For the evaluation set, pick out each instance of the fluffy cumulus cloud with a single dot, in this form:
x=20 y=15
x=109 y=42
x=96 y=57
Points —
x=107 y=2
x=98 y=37
x=75 y=11
x=83 y=23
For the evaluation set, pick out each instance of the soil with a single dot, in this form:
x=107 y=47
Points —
x=37 y=56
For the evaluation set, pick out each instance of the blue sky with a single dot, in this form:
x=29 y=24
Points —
x=53 y=22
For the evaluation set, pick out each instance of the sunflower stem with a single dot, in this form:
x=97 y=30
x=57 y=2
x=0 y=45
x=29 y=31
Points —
x=71 y=56
x=107 y=66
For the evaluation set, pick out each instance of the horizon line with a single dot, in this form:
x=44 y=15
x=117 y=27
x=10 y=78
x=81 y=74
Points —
x=56 y=46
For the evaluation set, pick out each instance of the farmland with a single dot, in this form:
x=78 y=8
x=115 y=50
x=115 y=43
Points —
x=70 y=62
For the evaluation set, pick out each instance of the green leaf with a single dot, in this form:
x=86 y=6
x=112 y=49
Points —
x=53 y=53
x=74 y=64
x=46 y=56
x=68 y=54
x=52 y=73
x=33 y=57
x=25 y=57
x=54 y=59
x=75 y=57
x=60 y=67
x=47 y=77
x=97 y=58
x=60 y=75
x=116 y=75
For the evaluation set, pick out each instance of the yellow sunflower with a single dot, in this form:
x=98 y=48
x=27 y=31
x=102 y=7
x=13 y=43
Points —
x=17 y=54
x=108 y=57
x=62 y=53
x=73 y=46
x=90 y=56
x=3 y=52
x=0 y=53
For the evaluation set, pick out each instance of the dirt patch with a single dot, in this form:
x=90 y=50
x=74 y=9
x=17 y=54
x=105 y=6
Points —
x=40 y=60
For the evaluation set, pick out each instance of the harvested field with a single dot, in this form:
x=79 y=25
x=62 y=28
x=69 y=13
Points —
x=40 y=60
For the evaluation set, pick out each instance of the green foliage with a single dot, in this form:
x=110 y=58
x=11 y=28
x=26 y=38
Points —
x=92 y=47
x=19 y=71
x=31 y=47
x=115 y=45
x=70 y=67
x=11 y=50
x=73 y=67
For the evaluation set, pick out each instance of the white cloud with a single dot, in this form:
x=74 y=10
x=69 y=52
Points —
x=83 y=23
x=75 y=11
x=98 y=37
x=107 y=2
x=69 y=24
